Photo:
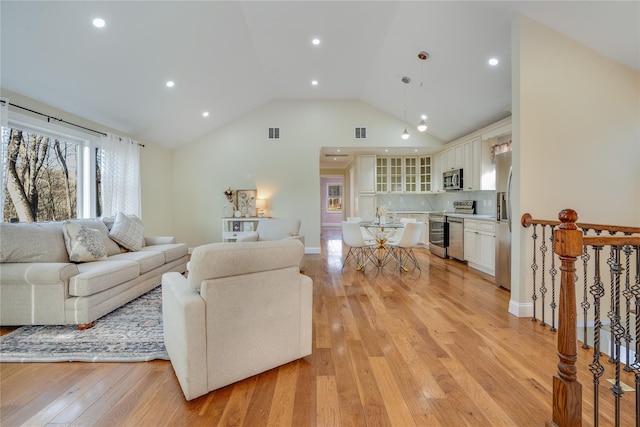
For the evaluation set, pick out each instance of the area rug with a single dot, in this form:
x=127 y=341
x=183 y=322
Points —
x=132 y=333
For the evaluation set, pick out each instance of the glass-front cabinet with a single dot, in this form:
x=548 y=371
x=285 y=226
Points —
x=424 y=174
x=403 y=174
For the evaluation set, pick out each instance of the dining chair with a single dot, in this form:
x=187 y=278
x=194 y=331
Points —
x=403 y=248
x=359 y=249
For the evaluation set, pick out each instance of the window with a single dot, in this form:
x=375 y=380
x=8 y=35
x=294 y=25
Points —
x=334 y=198
x=50 y=173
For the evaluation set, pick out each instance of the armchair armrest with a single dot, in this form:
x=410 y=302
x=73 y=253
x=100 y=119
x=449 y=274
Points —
x=159 y=240
x=183 y=319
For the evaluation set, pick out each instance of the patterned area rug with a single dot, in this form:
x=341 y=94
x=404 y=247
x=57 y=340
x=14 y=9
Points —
x=132 y=333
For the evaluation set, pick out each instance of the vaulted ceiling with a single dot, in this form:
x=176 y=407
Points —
x=229 y=57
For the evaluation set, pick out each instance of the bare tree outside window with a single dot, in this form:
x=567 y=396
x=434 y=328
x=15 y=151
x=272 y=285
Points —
x=42 y=178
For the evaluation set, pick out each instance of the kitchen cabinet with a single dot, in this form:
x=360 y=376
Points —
x=425 y=175
x=403 y=174
x=367 y=174
x=479 y=244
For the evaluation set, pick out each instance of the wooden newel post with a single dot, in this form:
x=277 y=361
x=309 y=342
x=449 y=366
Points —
x=567 y=391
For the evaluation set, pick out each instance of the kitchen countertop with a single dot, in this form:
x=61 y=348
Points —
x=471 y=216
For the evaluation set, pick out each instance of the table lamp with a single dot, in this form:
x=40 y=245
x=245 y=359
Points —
x=260 y=205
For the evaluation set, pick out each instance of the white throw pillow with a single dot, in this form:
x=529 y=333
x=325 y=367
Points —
x=127 y=232
x=83 y=243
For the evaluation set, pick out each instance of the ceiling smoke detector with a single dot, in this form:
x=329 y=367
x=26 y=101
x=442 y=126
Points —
x=423 y=55
x=406 y=80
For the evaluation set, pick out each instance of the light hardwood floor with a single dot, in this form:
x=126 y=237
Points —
x=436 y=348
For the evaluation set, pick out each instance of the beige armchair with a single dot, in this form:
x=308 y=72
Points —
x=244 y=309
x=270 y=229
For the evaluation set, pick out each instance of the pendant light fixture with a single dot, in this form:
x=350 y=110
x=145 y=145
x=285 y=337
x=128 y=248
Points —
x=422 y=56
x=406 y=81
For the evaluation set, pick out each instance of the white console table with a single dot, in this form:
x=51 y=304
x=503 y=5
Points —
x=234 y=228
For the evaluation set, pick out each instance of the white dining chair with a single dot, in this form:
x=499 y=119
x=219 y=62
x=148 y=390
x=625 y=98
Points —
x=359 y=249
x=403 y=248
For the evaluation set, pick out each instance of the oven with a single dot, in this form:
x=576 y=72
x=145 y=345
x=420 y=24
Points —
x=438 y=234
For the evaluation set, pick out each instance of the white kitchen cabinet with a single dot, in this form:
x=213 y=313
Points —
x=404 y=175
x=367 y=174
x=479 y=244
x=425 y=174
x=366 y=208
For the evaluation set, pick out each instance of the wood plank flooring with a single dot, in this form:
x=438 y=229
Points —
x=436 y=348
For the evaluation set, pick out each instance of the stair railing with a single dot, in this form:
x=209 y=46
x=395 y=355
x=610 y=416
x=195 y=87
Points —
x=570 y=241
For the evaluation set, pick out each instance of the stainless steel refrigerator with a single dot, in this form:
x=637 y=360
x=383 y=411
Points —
x=503 y=220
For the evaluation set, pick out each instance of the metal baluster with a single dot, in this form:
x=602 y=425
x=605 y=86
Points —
x=553 y=271
x=596 y=368
x=636 y=364
x=611 y=313
x=585 y=298
x=617 y=329
x=534 y=267
x=627 y=296
x=543 y=284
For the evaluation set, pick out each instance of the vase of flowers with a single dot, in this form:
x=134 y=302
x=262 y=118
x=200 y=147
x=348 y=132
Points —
x=229 y=208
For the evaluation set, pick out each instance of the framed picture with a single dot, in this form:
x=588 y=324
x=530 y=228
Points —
x=246 y=200
x=236 y=225
x=334 y=198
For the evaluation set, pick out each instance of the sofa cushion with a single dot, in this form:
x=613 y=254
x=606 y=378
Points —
x=83 y=243
x=277 y=229
x=32 y=242
x=148 y=260
x=98 y=276
x=97 y=224
x=171 y=251
x=127 y=232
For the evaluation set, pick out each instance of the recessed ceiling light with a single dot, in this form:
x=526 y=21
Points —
x=423 y=117
x=493 y=62
x=314 y=82
x=386 y=150
x=170 y=83
x=338 y=150
x=98 y=22
x=205 y=114
x=315 y=42
x=415 y=150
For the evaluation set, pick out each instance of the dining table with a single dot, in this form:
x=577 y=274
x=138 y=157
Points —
x=381 y=233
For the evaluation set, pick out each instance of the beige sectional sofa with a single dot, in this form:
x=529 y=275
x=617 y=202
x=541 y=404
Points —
x=41 y=285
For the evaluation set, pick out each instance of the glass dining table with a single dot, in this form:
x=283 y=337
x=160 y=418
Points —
x=381 y=233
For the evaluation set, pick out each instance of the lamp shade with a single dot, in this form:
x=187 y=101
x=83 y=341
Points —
x=261 y=203
x=422 y=126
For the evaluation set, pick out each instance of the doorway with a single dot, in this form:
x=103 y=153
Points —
x=332 y=200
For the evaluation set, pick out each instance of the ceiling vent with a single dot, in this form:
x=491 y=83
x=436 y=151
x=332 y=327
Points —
x=360 y=133
x=274 y=133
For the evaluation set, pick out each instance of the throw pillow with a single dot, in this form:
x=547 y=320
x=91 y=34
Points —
x=127 y=232
x=83 y=243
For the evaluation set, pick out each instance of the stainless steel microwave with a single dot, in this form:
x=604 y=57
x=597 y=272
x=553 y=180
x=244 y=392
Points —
x=452 y=180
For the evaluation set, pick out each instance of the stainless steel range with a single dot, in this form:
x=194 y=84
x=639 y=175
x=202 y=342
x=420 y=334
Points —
x=446 y=233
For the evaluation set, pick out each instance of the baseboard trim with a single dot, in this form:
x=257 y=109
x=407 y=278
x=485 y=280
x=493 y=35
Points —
x=521 y=309
x=308 y=250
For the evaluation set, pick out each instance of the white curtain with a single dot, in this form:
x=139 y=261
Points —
x=120 y=169
x=4 y=143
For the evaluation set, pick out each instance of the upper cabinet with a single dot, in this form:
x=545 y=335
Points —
x=403 y=174
x=367 y=174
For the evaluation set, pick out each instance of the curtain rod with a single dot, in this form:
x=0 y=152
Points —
x=49 y=118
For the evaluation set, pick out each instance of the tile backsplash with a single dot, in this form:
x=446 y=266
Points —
x=485 y=201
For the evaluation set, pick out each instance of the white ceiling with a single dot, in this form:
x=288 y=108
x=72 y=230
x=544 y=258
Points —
x=229 y=57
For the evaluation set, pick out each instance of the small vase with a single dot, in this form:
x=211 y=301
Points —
x=228 y=209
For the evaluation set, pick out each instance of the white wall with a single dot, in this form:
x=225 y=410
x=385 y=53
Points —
x=286 y=172
x=576 y=138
